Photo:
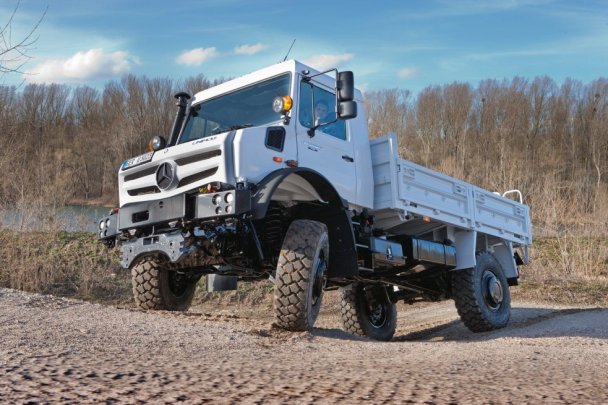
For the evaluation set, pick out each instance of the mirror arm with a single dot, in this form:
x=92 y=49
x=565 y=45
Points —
x=309 y=78
x=311 y=131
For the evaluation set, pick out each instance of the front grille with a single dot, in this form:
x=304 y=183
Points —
x=143 y=191
x=198 y=158
x=140 y=174
x=196 y=177
x=148 y=181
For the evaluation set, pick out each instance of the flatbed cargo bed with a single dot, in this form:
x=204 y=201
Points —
x=404 y=192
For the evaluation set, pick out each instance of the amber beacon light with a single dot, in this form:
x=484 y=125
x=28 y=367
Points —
x=282 y=105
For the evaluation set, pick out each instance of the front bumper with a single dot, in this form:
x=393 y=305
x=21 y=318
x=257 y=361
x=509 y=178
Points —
x=159 y=213
x=171 y=244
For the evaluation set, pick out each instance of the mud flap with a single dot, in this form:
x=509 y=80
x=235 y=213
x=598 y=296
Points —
x=217 y=282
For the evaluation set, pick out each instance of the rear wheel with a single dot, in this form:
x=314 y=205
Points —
x=368 y=311
x=301 y=275
x=482 y=295
x=157 y=286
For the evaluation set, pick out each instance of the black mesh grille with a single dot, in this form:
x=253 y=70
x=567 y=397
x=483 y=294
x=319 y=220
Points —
x=275 y=138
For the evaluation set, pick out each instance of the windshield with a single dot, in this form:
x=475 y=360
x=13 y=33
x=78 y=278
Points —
x=250 y=106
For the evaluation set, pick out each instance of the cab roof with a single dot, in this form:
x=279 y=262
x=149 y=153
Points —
x=288 y=66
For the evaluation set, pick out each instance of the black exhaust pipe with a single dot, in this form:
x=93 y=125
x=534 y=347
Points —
x=182 y=101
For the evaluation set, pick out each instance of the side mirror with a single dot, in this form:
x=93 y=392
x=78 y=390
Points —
x=157 y=143
x=347 y=110
x=346 y=86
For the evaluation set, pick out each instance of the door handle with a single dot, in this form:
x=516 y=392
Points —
x=348 y=158
x=312 y=147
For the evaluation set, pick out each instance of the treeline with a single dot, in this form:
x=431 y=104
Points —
x=548 y=140
x=62 y=144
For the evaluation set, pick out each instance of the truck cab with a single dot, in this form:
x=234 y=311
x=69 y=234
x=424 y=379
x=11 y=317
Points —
x=235 y=131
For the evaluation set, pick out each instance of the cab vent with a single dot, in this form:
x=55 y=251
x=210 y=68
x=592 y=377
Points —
x=275 y=138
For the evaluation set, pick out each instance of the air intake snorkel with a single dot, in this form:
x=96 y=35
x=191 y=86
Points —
x=182 y=102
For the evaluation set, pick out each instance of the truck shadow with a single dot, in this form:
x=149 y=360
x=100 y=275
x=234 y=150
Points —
x=337 y=334
x=524 y=323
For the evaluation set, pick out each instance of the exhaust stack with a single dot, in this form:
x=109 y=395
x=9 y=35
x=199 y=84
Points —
x=182 y=102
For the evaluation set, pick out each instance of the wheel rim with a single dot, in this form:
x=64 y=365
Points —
x=492 y=290
x=178 y=283
x=319 y=278
x=377 y=315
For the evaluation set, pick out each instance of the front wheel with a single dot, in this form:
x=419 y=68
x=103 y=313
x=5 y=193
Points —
x=482 y=295
x=157 y=286
x=368 y=311
x=301 y=275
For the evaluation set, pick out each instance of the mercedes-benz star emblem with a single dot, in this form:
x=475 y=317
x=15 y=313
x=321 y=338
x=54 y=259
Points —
x=165 y=175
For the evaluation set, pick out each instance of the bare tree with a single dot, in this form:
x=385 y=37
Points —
x=14 y=50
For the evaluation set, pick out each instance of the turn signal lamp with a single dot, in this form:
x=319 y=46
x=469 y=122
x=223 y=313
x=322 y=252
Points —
x=282 y=105
x=210 y=188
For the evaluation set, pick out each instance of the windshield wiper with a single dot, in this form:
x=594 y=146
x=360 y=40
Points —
x=231 y=128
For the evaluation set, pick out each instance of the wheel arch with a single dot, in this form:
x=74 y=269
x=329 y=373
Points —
x=305 y=187
x=134 y=260
x=470 y=243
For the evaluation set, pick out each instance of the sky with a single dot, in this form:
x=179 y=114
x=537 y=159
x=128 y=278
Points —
x=388 y=44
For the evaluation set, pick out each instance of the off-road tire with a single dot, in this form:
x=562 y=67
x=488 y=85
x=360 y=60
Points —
x=157 y=286
x=300 y=275
x=357 y=319
x=478 y=310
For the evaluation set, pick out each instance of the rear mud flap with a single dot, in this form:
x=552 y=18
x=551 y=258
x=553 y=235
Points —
x=217 y=282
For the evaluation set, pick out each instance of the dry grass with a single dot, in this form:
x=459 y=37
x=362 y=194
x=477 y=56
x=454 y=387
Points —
x=62 y=263
x=567 y=269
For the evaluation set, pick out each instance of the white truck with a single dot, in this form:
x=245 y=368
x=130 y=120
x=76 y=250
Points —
x=272 y=176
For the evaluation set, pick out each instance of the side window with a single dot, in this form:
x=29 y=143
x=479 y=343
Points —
x=318 y=107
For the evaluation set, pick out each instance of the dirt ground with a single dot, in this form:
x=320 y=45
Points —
x=57 y=350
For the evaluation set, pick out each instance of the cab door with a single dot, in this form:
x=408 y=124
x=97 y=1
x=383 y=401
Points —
x=329 y=150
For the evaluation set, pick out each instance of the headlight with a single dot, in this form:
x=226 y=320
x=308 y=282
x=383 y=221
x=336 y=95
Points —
x=102 y=224
x=158 y=143
x=217 y=199
x=229 y=198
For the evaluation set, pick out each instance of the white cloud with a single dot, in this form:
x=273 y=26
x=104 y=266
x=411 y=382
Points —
x=327 y=61
x=407 y=73
x=196 y=56
x=84 y=65
x=249 y=49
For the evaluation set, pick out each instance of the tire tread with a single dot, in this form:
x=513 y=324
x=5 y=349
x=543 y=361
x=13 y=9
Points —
x=292 y=277
x=467 y=303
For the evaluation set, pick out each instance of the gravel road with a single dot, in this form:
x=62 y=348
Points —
x=60 y=350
